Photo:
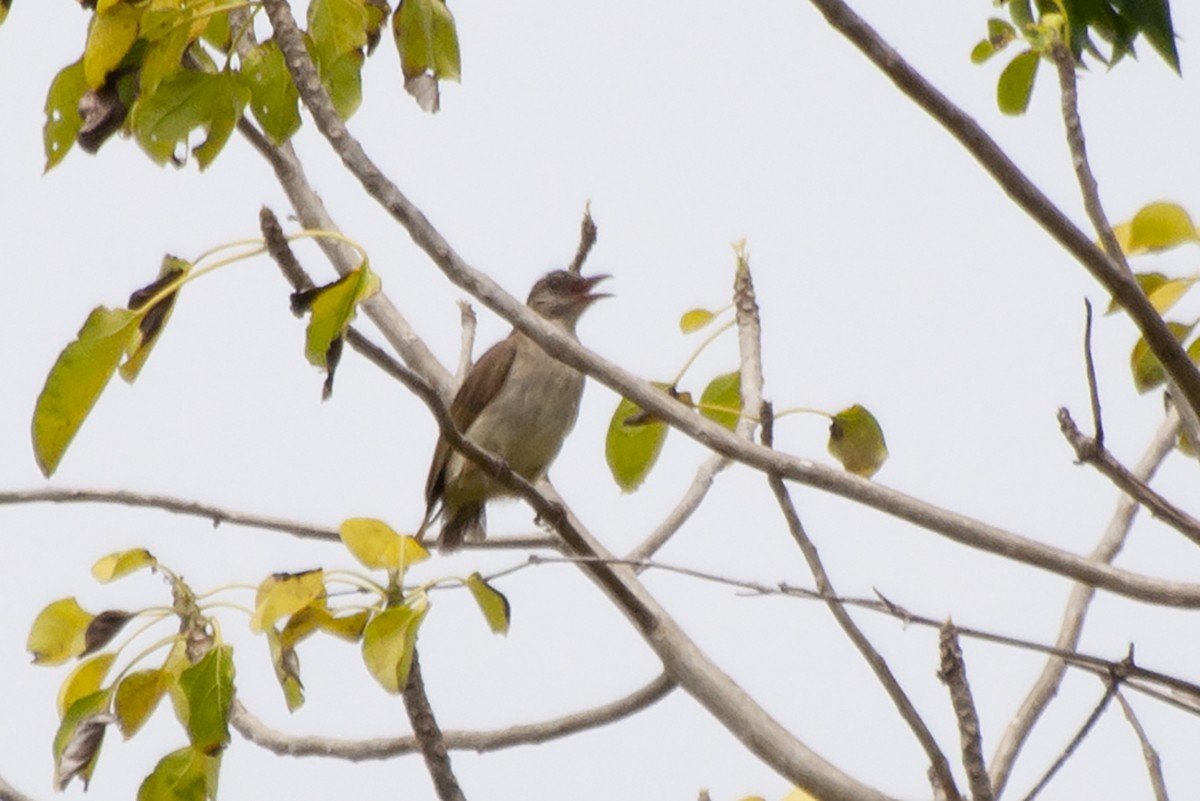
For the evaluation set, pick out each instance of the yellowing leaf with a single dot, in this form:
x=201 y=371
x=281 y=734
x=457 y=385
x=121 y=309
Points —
x=856 y=440
x=273 y=97
x=1169 y=293
x=76 y=380
x=1159 y=226
x=388 y=643
x=79 y=737
x=287 y=670
x=695 y=319
x=85 y=679
x=1147 y=370
x=154 y=317
x=333 y=307
x=721 y=400
x=491 y=602
x=1016 y=83
x=348 y=627
x=189 y=774
x=58 y=632
x=798 y=794
x=62 y=112
x=208 y=687
x=1149 y=282
x=377 y=546
x=284 y=594
x=112 y=32
x=427 y=41
x=137 y=696
x=631 y=449
x=103 y=628
x=183 y=102
x=122 y=563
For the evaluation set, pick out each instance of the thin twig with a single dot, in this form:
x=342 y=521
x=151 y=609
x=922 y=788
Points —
x=940 y=767
x=466 y=347
x=1109 y=692
x=953 y=673
x=1110 y=545
x=1153 y=762
x=693 y=496
x=429 y=735
x=1088 y=451
x=587 y=238
x=1093 y=385
x=257 y=732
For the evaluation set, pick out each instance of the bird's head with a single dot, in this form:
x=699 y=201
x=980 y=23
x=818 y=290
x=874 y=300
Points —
x=562 y=296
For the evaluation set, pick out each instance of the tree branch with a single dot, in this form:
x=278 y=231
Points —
x=1153 y=763
x=1109 y=692
x=429 y=735
x=256 y=732
x=953 y=673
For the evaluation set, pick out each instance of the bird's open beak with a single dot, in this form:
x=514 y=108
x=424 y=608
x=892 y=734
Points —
x=588 y=283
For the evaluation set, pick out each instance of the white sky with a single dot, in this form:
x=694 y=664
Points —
x=890 y=271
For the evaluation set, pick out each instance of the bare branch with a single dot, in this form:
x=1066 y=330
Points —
x=1089 y=451
x=1153 y=763
x=1109 y=692
x=953 y=673
x=1093 y=386
x=692 y=497
x=429 y=735
x=255 y=731
x=1106 y=550
x=466 y=347
x=1119 y=283
x=587 y=238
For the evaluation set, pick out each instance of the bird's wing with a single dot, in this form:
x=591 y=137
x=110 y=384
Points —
x=478 y=389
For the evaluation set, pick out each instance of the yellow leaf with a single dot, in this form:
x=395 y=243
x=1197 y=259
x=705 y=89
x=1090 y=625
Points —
x=633 y=443
x=721 y=400
x=112 y=32
x=122 y=563
x=285 y=594
x=137 y=696
x=491 y=602
x=695 y=319
x=799 y=795
x=1147 y=370
x=388 y=642
x=287 y=670
x=1159 y=226
x=1167 y=295
x=85 y=679
x=856 y=440
x=376 y=545
x=59 y=632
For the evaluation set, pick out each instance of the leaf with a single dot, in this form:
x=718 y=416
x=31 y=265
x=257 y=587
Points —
x=168 y=32
x=284 y=594
x=492 y=603
x=188 y=774
x=1169 y=293
x=316 y=617
x=1147 y=370
x=112 y=32
x=137 y=696
x=1015 y=86
x=76 y=380
x=695 y=319
x=79 y=737
x=632 y=449
x=287 y=670
x=103 y=628
x=1000 y=33
x=348 y=627
x=343 y=80
x=122 y=563
x=154 y=317
x=208 y=687
x=388 y=643
x=856 y=440
x=85 y=679
x=62 y=112
x=274 y=99
x=337 y=27
x=58 y=632
x=723 y=392
x=982 y=51
x=1149 y=282
x=333 y=307
x=427 y=41
x=4 y=6
x=1159 y=226
x=183 y=102
x=377 y=546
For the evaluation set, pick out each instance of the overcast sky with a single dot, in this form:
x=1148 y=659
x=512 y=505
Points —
x=890 y=270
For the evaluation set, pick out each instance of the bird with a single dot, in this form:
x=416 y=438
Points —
x=516 y=402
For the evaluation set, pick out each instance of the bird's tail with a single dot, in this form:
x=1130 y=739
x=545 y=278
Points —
x=466 y=524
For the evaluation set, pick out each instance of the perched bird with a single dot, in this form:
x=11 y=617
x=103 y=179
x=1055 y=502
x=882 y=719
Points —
x=516 y=402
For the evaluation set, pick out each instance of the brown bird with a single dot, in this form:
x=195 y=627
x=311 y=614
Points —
x=516 y=402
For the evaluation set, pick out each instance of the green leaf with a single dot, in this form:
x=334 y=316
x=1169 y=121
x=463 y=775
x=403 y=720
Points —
x=388 y=643
x=721 y=400
x=287 y=670
x=856 y=440
x=1000 y=33
x=79 y=737
x=208 y=687
x=1159 y=226
x=1147 y=369
x=122 y=563
x=76 y=380
x=284 y=594
x=1016 y=83
x=695 y=319
x=426 y=38
x=377 y=546
x=343 y=80
x=85 y=679
x=137 y=696
x=631 y=449
x=982 y=51
x=183 y=102
x=188 y=774
x=337 y=27
x=1021 y=13
x=62 y=112
x=155 y=317
x=333 y=307
x=112 y=32
x=491 y=602
x=274 y=99
x=166 y=41
x=59 y=632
